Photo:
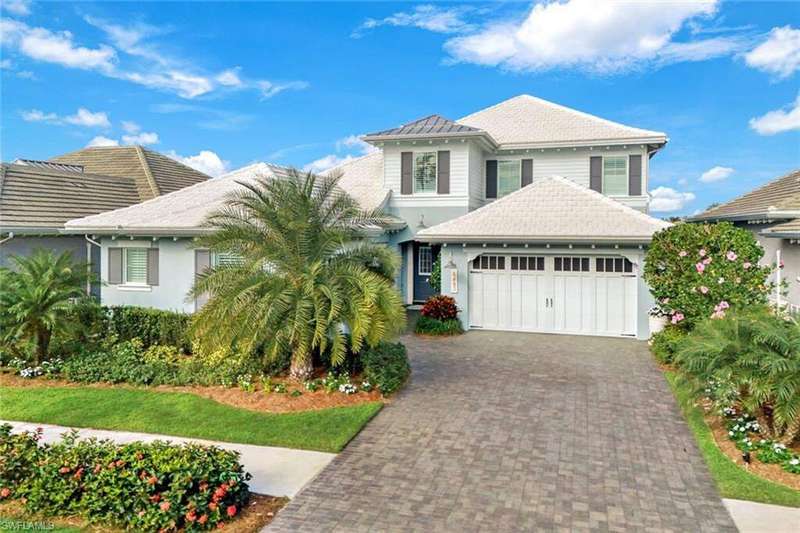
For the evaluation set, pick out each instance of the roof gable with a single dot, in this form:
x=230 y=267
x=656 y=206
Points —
x=528 y=120
x=153 y=172
x=554 y=209
x=780 y=194
x=430 y=125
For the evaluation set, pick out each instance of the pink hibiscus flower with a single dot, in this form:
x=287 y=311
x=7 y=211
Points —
x=731 y=255
x=700 y=267
x=702 y=252
x=704 y=289
x=683 y=253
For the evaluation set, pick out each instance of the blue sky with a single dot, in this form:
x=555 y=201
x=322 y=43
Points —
x=221 y=85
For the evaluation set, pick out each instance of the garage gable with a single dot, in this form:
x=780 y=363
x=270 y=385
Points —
x=550 y=209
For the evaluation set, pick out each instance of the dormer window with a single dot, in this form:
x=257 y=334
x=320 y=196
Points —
x=615 y=175
x=425 y=172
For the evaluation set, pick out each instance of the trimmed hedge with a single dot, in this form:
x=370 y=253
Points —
x=433 y=326
x=386 y=366
x=154 y=486
x=151 y=326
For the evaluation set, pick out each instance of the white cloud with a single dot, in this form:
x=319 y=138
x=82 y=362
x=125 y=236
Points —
x=356 y=142
x=598 y=36
x=665 y=199
x=716 y=174
x=143 y=138
x=326 y=163
x=779 y=54
x=102 y=141
x=779 y=120
x=181 y=83
x=229 y=78
x=206 y=161
x=426 y=17
x=36 y=115
x=82 y=117
x=130 y=127
x=43 y=45
x=20 y=8
x=269 y=89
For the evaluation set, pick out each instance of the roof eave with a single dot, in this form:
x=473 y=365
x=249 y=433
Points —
x=31 y=230
x=430 y=136
x=561 y=239
x=760 y=215
x=143 y=232
x=658 y=140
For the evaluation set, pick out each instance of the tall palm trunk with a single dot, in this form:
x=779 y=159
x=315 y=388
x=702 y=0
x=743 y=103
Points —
x=42 y=345
x=302 y=367
x=792 y=432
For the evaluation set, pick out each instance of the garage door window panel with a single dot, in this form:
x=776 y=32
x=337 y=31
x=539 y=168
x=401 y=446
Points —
x=571 y=264
x=613 y=265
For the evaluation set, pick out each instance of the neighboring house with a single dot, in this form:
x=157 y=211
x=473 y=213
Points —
x=38 y=197
x=772 y=213
x=539 y=210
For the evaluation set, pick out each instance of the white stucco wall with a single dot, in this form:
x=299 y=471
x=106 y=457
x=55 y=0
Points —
x=176 y=275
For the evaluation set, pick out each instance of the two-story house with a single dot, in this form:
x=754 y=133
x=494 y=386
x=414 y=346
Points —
x=539 y=212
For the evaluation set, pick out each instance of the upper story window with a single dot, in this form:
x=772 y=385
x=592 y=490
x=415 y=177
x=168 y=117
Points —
x=225 y=259
x=425 y=172
x=615 y=175
x=135 y=260
x=509 y=177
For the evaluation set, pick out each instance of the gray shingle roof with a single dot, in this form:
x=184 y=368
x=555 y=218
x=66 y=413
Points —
x=431 y=125
x=781 y=194
x=39 y=198
x=155 y=173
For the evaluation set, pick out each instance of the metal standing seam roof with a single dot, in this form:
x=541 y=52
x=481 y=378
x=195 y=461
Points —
x=430 y=125
x=155 y=173
x=37 y=197
x=780 y=194
x=552 y=208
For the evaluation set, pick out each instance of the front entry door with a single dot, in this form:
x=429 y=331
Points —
x=424 y=257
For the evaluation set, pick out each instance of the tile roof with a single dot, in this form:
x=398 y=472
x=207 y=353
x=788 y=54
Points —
x=362 y=178
x=43 y=198
x=550 y=209
x=527 y=120
x=183 y=212
x=781 y=194
x=431 y=125
x=789 y=229
x=154 y=173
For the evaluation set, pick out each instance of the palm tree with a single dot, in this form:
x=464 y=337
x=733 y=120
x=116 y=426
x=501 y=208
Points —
x=306 y=274
x=35 y=295
x=758 y=355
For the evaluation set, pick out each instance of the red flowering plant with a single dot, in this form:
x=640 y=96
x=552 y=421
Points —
x=699 y=271
x=155 y=486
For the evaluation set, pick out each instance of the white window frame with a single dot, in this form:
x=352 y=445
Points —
x=125 y=281
x=435 y=171
x=627 y=174
x=519 y=175
x=215 y=258
x=419 y=260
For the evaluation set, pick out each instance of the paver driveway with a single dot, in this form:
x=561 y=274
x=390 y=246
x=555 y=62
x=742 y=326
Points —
x=514 y=432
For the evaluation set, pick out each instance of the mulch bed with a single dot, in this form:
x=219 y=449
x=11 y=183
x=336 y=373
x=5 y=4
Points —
x=259 y=512
x=272 y=402
x=771 y=472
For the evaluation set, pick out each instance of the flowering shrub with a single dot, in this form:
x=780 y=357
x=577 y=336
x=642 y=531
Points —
x=156 y=486
x=696 y=271
x=440 y=307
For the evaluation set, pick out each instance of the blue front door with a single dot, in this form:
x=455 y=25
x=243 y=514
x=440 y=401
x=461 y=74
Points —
x=424 y=257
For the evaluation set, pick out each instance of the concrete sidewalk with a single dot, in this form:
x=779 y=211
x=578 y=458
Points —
x=275 y=471
x=752 y=517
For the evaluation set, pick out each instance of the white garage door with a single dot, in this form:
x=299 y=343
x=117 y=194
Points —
x=587 y=295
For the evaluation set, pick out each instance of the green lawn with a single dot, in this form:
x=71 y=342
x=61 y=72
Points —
x=732 y=480
x=184 y=415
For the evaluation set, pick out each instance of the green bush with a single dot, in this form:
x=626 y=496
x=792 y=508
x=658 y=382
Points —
x=433 y=326
x=752 y=356
x=699 y=270
x=435 y=281
x=156 y=486
x=386 y=366
x=665 y=343
x=151 y=326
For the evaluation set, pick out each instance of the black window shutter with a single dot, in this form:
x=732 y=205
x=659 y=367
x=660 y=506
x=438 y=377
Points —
x=527 y=172
x=114 y=266
x=406 y=173
x=443 y=170
x=596 y=173
x=491 y=179
x=635 y=175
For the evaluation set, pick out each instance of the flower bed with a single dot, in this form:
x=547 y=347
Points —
x=439 y=316
x=147 y=487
